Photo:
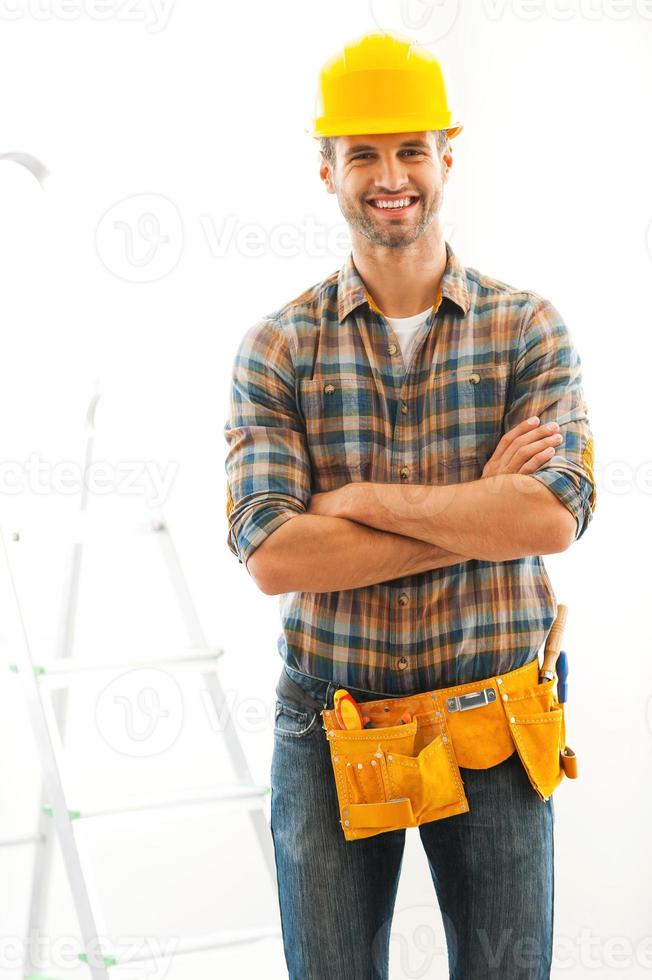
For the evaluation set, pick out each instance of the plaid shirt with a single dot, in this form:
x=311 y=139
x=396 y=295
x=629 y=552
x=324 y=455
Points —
x=320 y=397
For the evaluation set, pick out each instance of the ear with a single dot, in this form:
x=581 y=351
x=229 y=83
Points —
x=326 y=174
x=447 y=160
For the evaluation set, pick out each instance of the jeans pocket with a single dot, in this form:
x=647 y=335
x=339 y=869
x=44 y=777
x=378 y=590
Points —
x=290 y=722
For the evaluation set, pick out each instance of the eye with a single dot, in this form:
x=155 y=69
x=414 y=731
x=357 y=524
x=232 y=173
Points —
x=361 y=156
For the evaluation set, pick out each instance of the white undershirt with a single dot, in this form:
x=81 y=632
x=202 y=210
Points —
x=405 y=328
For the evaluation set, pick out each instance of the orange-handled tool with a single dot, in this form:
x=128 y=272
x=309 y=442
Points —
x=553 y=645
x=347 y=711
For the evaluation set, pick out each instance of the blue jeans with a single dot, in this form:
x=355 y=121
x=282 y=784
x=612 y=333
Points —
x=492 y=867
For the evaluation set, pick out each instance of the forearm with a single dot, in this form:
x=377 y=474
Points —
x=493 y=519
x=311 y=553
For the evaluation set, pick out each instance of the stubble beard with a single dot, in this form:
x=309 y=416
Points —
x=358 y=215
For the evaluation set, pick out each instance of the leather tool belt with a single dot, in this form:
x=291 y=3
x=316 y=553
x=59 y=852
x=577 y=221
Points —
x=397 y=775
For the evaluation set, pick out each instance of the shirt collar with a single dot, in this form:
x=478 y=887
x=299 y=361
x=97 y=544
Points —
x=351 y=291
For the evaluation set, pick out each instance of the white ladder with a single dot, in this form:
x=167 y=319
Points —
x=47 y=711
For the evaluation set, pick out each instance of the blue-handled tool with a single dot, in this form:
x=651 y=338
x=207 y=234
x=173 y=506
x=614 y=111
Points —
x=562 y=674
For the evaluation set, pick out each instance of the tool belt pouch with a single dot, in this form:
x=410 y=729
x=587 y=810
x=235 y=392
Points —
x=387 y=778
x=538 y=728
x=394 y=775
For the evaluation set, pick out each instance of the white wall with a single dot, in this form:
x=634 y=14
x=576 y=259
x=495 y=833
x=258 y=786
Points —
x=194 y=114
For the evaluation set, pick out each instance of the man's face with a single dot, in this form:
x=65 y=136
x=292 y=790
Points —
x=372 y=171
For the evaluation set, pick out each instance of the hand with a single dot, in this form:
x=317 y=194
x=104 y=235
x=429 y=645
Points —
x=326 y=504
x=523 y=449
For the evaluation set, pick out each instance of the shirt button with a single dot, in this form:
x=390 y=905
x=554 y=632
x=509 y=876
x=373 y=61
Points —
x=405 y=472
x=329 y=389
x=392 y=349
x=403 y=599
x=404 y=408
x=474 y=378
x=402 y=663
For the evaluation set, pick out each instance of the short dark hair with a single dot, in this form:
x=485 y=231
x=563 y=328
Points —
x=327 y=144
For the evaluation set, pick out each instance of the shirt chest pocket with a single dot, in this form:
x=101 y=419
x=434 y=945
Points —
x=341 y=424
x=468 y=408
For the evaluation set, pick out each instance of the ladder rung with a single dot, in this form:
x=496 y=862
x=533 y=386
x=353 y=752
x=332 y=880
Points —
x=38 y=976
x=67 y=665
x=23 y=839
x=231 y=937
x=224 y=795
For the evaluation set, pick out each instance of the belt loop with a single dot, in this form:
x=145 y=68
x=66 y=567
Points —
x=331 y=685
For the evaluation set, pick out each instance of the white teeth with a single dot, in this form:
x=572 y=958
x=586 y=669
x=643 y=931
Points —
x=402 y=203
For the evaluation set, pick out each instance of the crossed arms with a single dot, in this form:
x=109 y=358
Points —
x=363 y=533
x=333 y=546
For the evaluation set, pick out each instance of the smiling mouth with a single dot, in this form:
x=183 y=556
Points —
x=397 y=205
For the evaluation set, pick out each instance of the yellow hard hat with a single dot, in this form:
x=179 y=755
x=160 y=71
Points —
x=381 y=83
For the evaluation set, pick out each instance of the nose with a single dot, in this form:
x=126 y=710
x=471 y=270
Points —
x=390 y=175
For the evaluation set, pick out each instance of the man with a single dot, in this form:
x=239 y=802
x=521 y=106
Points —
x=407 y=438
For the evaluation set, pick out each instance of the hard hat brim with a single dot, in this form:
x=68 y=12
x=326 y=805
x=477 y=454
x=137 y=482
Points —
x=362 y=127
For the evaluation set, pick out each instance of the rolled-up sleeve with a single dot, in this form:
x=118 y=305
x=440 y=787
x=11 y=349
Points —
x=267 y=463
x=547 y=381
